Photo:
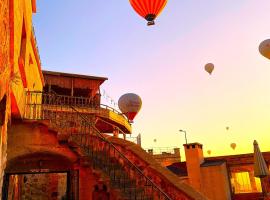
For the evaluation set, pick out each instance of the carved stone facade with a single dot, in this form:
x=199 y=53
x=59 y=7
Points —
x=4 y=77
x=4 y=35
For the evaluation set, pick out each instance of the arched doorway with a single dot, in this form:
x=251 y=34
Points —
x=43 y=176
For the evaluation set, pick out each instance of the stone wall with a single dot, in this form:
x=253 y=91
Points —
x=215 y=182
x=46 y=186
x=4 y=80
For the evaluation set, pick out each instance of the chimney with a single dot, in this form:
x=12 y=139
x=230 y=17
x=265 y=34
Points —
x=194 y=159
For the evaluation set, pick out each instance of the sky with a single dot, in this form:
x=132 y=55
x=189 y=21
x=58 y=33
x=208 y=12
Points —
x=164 y=65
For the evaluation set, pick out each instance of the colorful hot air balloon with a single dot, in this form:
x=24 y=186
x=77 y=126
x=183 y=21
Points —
x=233 y=146
x=264 y=48
x=209 y=152
x=148 y=9
x=209 y=67
x=130 y=104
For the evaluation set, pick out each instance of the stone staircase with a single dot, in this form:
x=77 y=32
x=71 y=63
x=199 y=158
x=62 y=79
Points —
x=79 y=132
x=112 y=170
x=77 y=129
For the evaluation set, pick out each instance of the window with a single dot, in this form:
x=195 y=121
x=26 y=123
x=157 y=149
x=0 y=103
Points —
x=241 y=183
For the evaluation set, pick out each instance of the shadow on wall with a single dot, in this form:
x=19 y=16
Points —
x=100 y=194
x=3 y=110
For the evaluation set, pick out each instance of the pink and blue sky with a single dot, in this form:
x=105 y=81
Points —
x=164 y=64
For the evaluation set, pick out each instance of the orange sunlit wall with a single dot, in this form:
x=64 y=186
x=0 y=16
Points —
x=26 y=73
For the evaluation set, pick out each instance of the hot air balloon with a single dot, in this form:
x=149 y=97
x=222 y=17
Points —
x=233 y=146
x=155 y=140
x=148 y=9
x=209 y=152
x=264 y=48
x=130 y=104
x=209 y=67
x=227 y=128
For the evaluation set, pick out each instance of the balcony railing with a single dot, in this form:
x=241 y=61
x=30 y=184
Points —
x=37 y=101
x=161 y=150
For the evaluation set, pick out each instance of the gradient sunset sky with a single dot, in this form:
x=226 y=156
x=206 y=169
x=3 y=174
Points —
x=164 y=64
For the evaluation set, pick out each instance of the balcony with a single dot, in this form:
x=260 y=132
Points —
x=106 y=119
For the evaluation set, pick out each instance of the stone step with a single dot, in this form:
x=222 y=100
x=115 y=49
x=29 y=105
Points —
x=118 y=177
x=136 y=193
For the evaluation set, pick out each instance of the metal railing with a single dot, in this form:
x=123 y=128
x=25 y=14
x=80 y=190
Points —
x=104 y=155
x=162 y=150
x=53 y=99
x=112 y=109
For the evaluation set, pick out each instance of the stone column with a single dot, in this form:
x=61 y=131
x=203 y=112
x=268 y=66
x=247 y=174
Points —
x=4 y=80
x=234 y=188
x=86 y=183
x=252 y=181
x=115 y=132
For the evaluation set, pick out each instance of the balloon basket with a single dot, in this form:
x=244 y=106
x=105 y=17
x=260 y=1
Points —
x=150 y=23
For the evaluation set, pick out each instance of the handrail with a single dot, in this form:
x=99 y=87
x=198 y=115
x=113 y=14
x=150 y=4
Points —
x=121 y=131
x=112 y=109
x=83 y=127
x=120 y=153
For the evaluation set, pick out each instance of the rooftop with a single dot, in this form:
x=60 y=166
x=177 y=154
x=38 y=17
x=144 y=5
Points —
x=208 y=163
x=74 y=75
x=178 y=168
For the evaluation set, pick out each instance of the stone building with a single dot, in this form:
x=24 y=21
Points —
x=222 y=177
x=57 y=140
x=19 y=64
x=165 y=156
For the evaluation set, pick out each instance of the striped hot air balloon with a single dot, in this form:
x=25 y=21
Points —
x=148 y=9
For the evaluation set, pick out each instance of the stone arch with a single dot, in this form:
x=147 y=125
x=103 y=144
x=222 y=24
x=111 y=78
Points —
x=34 y=146
x=39 y=162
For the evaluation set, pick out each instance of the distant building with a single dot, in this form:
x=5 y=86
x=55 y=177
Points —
x=165 y=156
x=222 y=177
